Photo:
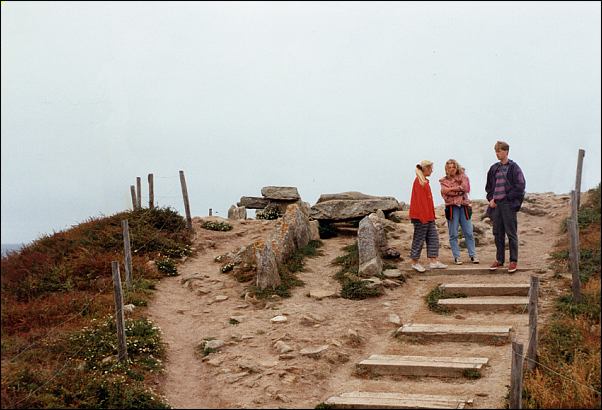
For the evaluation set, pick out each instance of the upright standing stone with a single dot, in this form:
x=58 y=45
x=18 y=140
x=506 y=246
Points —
x=370 y=262
x=237 y=212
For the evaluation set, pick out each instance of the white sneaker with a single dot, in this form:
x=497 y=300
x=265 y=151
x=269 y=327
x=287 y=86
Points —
x=437 y=265
x=457 y=261
x=474 y=259
x=418 y=267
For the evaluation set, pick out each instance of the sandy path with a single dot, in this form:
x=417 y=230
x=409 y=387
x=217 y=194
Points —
x=249 y=372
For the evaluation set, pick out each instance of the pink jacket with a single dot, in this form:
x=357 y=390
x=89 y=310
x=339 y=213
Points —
x=450 y=196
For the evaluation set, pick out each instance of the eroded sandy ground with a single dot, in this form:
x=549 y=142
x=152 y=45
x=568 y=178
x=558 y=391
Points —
x=250 y=372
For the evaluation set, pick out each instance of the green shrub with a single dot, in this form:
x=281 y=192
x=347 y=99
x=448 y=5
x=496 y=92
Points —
x=269 y=213
x=358 y=290
x=562 y=341
x=227 y=267
x=589 y=306
x=91 y=377
x=167 y=266
x=216 y=226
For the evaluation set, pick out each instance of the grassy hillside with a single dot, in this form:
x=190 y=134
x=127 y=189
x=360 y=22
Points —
x=568 y=373
x=58 y=328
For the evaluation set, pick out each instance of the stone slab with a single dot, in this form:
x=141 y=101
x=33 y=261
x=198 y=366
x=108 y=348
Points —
x=462 y=270
x=421 y=365
x=386 y=400
x=487 y=289
x=457 y=333
x=482 y=303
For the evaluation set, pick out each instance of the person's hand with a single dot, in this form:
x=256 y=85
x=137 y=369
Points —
x=492 y=204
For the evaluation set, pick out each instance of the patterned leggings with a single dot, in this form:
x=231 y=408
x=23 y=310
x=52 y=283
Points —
x=425 y=232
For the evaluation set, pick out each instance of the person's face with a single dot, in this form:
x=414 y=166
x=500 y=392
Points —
x=501 y=154
x=427 y=171
x=450 y=168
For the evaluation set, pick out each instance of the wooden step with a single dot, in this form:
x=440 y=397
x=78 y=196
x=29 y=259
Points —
x=481 y=303
x=466 y=269
x=457 y=333
x=487 y=289
x=378 y=400
x=420 y=365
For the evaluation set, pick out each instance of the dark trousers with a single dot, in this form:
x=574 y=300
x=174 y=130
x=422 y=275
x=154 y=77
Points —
x=505 y=224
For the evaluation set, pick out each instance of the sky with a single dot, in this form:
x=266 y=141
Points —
x=324 y=96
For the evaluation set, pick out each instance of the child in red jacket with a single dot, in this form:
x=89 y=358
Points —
x=422 y=215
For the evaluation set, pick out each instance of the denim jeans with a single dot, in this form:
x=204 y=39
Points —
x=459 y=219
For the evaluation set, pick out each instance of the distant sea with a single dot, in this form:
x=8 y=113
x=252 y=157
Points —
x=10 y=247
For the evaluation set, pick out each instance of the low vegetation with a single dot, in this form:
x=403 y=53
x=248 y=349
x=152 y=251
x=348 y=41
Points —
x=216 y=226
x=568 y=369
x=352 y=286
x=432 y=299
x=288 y=277
x=59 y=341
x=268 y=213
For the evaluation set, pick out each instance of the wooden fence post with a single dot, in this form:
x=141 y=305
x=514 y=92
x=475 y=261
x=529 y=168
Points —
x=151 y=192
x=186 y=203
x=532 y=348
x=121 y=343
x=572 y=226
x=127 y=252
x=516 y=377
x=580 y=156
x=134 y=200
x=139 y=192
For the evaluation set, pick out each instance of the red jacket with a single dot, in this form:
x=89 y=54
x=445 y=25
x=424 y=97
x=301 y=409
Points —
x=422 y=206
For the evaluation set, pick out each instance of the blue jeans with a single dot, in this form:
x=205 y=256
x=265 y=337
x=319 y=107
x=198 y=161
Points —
x=459 y=219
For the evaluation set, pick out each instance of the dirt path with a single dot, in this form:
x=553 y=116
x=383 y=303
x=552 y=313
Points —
x=248 y=371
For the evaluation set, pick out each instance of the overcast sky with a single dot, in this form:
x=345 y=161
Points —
x=326 y=97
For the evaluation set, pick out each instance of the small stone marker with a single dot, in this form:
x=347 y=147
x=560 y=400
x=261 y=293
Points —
x=313 y=351
x=392 y=273
x=279 y=319
x=320 y=294
x=393 y=318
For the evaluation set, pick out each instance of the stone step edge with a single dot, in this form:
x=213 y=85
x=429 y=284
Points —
x=486 y=300
x=463 y=271
x=487 y=289
x=361 y=399
x=429 y=359
x=457 y=327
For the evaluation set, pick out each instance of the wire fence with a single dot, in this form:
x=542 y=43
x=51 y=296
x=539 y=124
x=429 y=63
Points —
x=156 y=235
x=159 y=232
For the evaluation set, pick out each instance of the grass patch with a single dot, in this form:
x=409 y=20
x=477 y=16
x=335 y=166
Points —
x=358 y=290
x=471 y=374
x=89 y=375
x=352 y=287
x=432 y=299
x=569 y=345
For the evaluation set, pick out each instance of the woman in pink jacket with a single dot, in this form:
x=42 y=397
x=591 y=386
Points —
x=455 y=187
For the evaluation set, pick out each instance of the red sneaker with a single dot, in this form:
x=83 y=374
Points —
x=495 y=265
x=512 y=267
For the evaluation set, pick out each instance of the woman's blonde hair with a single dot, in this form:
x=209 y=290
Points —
x=425 y=163
x=459 y=168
